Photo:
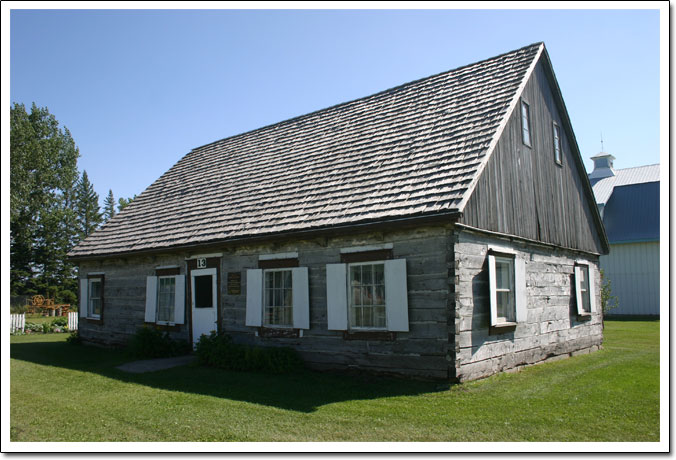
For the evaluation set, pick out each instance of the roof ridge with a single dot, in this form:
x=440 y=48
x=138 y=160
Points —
x=385 y=91
x=636 y=167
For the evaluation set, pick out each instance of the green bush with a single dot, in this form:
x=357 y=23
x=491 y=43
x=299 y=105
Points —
x=31 y=328
x=220 y=351
x=150 y=343
x=74 y=338
x=60 y=321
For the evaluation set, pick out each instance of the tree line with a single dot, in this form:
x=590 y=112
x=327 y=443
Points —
x=52 y=206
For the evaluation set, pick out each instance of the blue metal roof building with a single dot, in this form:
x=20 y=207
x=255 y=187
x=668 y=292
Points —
x=629 y=202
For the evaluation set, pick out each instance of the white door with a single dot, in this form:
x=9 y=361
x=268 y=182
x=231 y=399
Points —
x=203 y=289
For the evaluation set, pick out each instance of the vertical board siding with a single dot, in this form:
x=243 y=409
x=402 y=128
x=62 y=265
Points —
x=634 y=273
x=524 y=192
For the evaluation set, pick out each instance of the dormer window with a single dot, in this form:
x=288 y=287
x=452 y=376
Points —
x=525 y=123
x=557 y=143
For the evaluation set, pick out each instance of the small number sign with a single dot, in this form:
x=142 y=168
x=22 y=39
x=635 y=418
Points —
x=202 y=263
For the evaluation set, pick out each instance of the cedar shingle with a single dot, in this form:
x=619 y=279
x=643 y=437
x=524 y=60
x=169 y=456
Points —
x=409 y=150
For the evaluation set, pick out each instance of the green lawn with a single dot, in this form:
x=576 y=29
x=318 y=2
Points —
x=61 y=392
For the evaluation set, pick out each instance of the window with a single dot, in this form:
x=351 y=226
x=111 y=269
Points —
x=584 y=288
x=277 y=295
x=91 y=297
x=165 y=297
x=367 y=295
x=525 y=123
x=95 y=297
x=557 y=143
x=507 y=288
x=504 y=289
x=278 y=298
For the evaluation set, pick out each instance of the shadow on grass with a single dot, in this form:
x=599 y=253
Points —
x=304 y=391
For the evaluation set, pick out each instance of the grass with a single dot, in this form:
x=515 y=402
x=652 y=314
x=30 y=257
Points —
x=61 y=392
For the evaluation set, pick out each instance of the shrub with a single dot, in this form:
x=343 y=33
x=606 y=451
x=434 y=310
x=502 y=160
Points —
x=60 y=321
x=74 y=338
x=31 y=328
x=151 y=343
x=47 y=328
x=220 y=351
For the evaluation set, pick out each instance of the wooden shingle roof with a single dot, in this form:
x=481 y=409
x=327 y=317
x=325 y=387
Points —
x=413 y=150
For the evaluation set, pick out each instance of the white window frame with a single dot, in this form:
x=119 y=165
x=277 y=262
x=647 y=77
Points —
x=350 y=319
x=526 y=124
x=503 y=320
x=581 y=293
x=558 y=144
x=265 y=305
x=90 y=310
x=518 y=288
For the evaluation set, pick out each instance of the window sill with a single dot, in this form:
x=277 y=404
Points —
x=94 y=320
x=278 y=332
x=165 y=326
x=386 y=336
x=502 y=328
x=586 y=316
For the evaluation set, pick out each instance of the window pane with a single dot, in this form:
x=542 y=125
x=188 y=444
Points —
x=503 y=274
x=95 y=286
x=268 y=280
x=380 y=295
x=379 y=316
x=287 y=279
x=203 y=292
x=525 y=123
x=505 y=308
x=96 y=306
x=379 y=274
x=355 y=275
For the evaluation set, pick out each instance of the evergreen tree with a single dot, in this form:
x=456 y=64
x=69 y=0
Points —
x=43 y=169
x=124 y=202
x=87 y=207
x=109 y=207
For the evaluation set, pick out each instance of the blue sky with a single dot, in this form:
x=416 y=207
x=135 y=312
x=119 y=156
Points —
x=139 y=88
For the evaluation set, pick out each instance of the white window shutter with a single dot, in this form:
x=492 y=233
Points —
x=578 y=291
x=151 y=298
x=84 y=284
x=493 y=298
x=396 y=295
x=301 y=298
x=336 y=297
x=179 y=300
x=254 y=297
x=520 y=290
x=592 y=290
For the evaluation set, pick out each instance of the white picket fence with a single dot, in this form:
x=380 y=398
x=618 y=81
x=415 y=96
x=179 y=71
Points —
x=72 y=320
x=18 y=322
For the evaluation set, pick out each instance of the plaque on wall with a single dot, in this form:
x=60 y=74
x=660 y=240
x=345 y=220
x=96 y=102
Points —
x=234 y=283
